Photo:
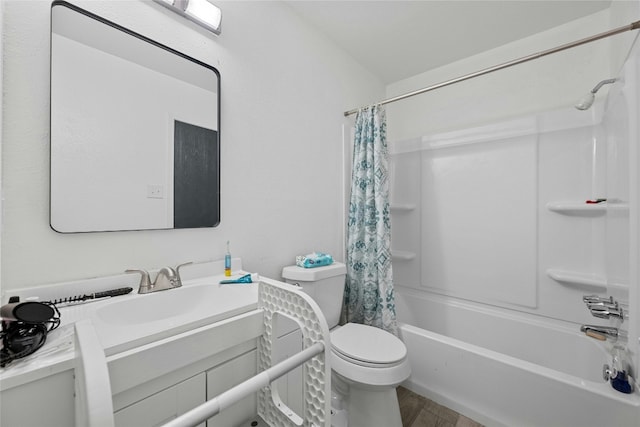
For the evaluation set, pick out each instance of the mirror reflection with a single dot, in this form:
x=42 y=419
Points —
x=134 y=130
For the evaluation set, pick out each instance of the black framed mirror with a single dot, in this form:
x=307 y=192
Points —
x=135 y=130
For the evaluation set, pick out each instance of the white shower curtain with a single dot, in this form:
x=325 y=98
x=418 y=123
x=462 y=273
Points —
x=369 y=296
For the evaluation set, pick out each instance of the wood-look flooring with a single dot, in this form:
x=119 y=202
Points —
x=418 y=411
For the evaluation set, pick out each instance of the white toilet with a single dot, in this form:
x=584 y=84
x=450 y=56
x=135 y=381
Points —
x=367 y=363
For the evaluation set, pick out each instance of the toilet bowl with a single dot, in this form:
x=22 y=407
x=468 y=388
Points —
x=367 y=363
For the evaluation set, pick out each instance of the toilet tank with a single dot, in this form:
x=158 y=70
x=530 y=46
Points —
x=324 y=284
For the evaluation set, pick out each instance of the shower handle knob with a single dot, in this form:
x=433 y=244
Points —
x=595 y=299
x=606 y=313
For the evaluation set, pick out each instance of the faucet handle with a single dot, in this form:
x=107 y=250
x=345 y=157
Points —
x=145 y=281
x=178 y=271
x=603 y=305
x=605 y=312
x=593 y=299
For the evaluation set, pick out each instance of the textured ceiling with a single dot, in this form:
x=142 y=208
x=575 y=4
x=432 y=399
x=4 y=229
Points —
x=396 y=39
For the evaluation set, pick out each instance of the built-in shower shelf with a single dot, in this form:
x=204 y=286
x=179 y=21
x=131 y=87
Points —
x=403 y=255
x=578 y=208
x=618 y=207
x=406 y=207
x=581 y=280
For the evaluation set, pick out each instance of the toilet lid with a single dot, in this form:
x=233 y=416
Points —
x=368 y=344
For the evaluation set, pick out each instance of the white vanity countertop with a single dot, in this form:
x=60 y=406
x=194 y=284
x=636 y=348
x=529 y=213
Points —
x=128 y=321
x=55 y=356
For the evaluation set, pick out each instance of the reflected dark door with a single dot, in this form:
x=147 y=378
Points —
x=195 y=178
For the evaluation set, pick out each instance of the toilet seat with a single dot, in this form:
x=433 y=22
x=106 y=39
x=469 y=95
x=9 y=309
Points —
x=367 y=346
x=368 y=356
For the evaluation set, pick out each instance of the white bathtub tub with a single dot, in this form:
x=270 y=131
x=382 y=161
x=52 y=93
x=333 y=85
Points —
x=503 y=368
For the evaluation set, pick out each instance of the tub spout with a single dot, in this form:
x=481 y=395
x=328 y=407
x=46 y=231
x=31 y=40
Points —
x=599 y=332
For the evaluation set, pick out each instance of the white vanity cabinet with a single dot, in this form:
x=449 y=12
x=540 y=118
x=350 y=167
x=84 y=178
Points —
x=222 y=378
x=159 y=381
x=47 y=402
x=171 y=401
x=175 y=400
x=156 y=383
x=155 y=375
x=150 y=384
x=165 y=405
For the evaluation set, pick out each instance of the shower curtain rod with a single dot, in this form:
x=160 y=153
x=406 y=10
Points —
x=633 y=26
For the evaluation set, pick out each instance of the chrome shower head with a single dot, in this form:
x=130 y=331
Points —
x=586 y=102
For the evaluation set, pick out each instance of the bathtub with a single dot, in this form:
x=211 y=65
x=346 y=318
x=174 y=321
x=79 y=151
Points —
x=505 y=368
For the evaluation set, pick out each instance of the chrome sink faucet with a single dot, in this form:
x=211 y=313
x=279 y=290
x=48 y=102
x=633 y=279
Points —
x=167 y=278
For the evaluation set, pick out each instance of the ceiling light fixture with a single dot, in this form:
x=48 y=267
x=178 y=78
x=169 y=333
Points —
x=201 y=12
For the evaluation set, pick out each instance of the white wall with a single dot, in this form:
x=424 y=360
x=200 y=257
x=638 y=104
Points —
x=622 y=12
x=544 y=84
x=1 y=130
x=284 y=88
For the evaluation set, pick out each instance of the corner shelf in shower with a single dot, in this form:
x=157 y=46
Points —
x=402 y=255
x=580 y=280
x=578 y=208
x=618 y=207
x=400 y=207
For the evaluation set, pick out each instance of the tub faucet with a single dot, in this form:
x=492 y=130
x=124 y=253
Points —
x=604 y=308
x=606 y=312
x=595 y=299
x=167 y=278
x=595 y=331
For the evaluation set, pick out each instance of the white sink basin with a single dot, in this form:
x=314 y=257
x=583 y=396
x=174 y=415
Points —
x=157 y=306
x=126 y=322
